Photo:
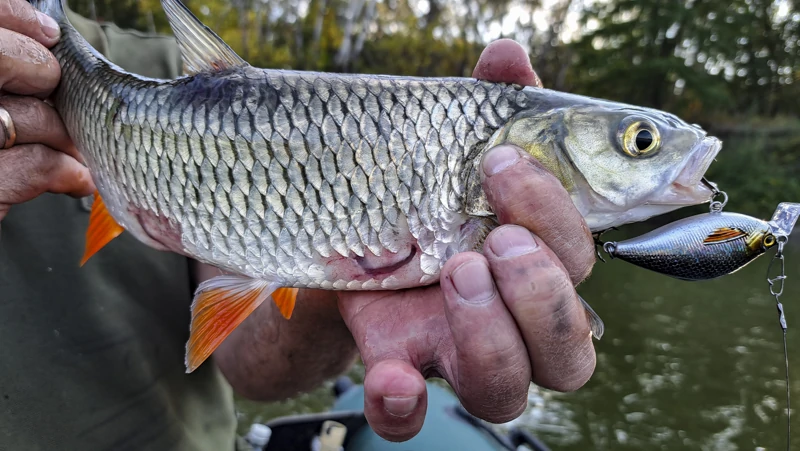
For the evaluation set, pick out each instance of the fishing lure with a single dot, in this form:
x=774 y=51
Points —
x=706 y=246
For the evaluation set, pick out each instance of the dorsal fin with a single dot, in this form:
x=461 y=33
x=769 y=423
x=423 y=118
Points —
x=201 y=48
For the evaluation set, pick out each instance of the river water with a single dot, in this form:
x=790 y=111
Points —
x=682 y=365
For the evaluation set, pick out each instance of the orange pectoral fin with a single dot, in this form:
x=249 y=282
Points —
x=285 y=299
x=723 y=235
x=219 y=306
x=102 y=229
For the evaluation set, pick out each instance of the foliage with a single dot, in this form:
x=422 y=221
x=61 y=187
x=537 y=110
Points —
x=692 y=55
x=758 y=167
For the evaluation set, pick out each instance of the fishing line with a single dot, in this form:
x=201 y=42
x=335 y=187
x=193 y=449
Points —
x=779 y=280
x=716 y=207
x=772 y=281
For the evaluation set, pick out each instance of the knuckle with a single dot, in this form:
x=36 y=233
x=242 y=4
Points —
x=6 y=11
x=36 y=113
x=37 y=160
x=505 y=398
x=18 y=176
x=41 y=116
x=26 y=66
x=512 y=195
x=577 y=373
x=16 y=11
x=578 y=256
x=549 y=284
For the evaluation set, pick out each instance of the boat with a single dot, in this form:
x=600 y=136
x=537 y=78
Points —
x=447 y=426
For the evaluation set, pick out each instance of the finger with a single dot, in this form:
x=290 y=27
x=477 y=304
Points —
x=37 y=122
x=395 y=400
x=539 y=294
x=505 y=61
x=522 y=192
x=26 y=67
x=491 y=363
x=27 y=171
x=20 y=16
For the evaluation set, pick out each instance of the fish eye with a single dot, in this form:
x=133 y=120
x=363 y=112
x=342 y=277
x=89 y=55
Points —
x=644 y=139
x=639 y=137
x=769 y=240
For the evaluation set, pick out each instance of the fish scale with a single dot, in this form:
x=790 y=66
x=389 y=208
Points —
x=201 y=145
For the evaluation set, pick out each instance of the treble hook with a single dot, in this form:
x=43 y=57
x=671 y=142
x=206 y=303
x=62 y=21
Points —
x=600 y=244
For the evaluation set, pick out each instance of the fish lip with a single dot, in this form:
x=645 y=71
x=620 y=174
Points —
x=698 y=163
x=687 y=188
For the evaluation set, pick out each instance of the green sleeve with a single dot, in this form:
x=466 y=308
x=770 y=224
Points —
x=150 y=55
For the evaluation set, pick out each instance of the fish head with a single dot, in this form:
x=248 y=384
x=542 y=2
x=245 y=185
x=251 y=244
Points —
x=620 y=163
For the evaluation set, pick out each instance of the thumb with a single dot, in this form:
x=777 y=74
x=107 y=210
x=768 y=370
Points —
x=395 y=394
x=522 y=191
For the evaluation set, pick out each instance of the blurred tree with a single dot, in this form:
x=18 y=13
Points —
x=692 y=55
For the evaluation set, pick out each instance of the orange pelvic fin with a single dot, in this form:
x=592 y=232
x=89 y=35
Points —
x=219 y=306
x=285 y=299
x=102 y=229
x=723 y=235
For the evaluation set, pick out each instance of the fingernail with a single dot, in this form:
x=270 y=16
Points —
x=473 y=282
x=511 y=241
x=49 y=26
x=498 y=159
x=400 y=406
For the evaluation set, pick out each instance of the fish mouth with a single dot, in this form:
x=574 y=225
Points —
x=688 y=187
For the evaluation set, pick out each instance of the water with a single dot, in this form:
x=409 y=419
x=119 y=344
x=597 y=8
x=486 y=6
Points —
x=682 y=365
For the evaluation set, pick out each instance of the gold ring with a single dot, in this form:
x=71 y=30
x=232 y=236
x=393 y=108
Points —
x=8 y=128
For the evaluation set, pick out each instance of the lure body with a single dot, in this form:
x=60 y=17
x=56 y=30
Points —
x=706 y=246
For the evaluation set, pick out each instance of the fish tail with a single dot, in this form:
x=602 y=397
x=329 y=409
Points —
x=53 y=8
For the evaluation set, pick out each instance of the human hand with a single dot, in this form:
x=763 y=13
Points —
x=496 y=321
x=36 y=153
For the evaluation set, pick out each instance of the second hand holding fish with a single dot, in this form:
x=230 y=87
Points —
x=485 y=328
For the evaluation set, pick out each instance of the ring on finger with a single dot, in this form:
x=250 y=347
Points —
x=9 y=131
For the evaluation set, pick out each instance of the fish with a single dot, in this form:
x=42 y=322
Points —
x=290 y=179
x=707 y=246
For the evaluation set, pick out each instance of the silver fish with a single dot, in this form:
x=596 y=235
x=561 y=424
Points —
x=344 y=182
x=706 y=246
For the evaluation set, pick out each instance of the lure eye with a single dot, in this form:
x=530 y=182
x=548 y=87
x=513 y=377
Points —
x=639 y=138
x=769 y=241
